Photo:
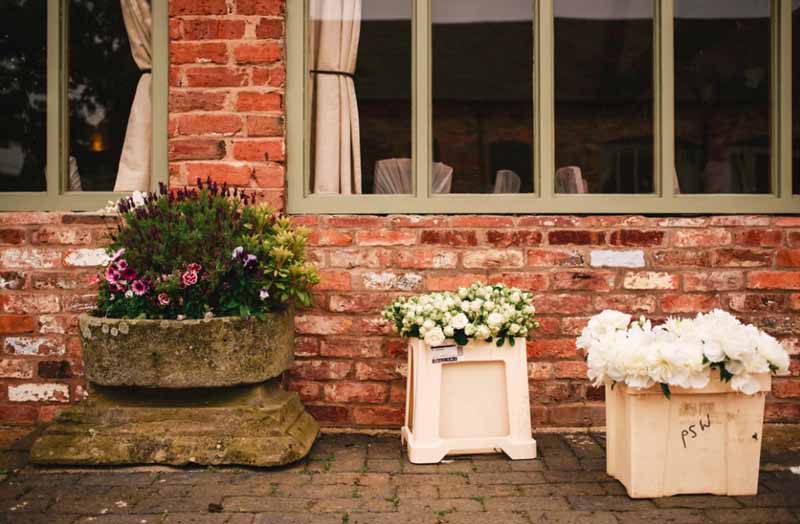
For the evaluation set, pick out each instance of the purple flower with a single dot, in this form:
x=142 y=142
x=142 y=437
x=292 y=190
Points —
x=189 y=278
x=139 y=287
x=263 y=294
x=250 y=260
x=163 y=299
x=238 y=252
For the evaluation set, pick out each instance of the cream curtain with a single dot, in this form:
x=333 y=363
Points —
x=134 y=163
x=335 y=32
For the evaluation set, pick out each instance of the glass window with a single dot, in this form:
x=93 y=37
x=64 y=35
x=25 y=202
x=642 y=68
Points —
x=722 y=96
x=360 y=83
x=105 y=68
x=482 y=96
x=604 y=96
x=23 y=95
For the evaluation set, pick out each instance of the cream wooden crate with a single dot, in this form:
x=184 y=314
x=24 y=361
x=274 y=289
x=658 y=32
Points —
x=479 y=404
x=699 y=441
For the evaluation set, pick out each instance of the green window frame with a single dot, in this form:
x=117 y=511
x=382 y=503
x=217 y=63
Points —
x=57 y=197
x=544 y=199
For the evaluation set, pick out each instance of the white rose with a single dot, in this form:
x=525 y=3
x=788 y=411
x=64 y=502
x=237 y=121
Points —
x=469 y=330
x=489 y=305
x=428 y=324
x=483 y=332
x=495 y=320
x=434 y=337
x=449 y=331
x=459 y=321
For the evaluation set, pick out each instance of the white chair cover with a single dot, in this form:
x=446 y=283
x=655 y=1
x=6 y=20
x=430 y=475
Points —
x=393 y=176
x=507 y=181
x=569 y=180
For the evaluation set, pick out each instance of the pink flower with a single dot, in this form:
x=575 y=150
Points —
x=112 y=275
x=163 y=299
x=189 y=278
x=122 y=265
x=118 y=254
x=194 y=267
x=129 y=274
x=138 y=287
x=115 y=288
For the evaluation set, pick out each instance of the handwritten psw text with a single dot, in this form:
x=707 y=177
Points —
x=691 y=431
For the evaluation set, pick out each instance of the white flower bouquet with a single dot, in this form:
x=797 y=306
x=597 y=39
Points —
x=489 y=313
x=680 y=352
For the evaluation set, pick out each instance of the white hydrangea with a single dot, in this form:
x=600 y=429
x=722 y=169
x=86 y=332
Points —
x=681 y=352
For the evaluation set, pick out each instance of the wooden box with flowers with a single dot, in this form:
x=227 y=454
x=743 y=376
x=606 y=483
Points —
x=684 y=401
x=193 y=328
x=467 y=388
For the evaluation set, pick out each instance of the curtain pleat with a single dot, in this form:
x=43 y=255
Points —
x=335 y=33
x=133 y=173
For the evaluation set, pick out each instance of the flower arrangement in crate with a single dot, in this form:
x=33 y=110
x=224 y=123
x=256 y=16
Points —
x=681 y=352
x=479 y=407
x=195 y=253
x=491 y=313
x=708 y=439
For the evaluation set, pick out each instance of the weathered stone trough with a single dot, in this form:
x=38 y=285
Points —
x=183 y=392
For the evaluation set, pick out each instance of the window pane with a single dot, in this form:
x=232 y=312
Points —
x=103 y=80
x=482 y=96
x=604 y=96
x=722 y=96
x=23 y=95
x=360 y=107
x=796 y=100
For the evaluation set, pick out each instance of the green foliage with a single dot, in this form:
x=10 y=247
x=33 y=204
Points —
x=192 y=253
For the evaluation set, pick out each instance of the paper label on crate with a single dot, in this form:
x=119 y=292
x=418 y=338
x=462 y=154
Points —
x=446 y=353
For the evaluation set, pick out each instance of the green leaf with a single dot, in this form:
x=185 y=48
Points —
x=460 y=337
x=500 y=342
x=665 y=390
x=511 y=341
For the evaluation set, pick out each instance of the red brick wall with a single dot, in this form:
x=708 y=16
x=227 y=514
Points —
x=226 y=121
x=350 y=368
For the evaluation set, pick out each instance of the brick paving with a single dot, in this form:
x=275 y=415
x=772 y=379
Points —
x=361 y=479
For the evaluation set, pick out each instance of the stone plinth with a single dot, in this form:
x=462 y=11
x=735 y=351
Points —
x=260 y=425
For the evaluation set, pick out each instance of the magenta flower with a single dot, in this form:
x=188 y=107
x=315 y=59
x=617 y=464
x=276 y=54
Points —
x=139 y=287
x=117 y=254
x=194 y=267
x=129 y=274
x=163 y=299
x=122 y=265
x=112 y=275
x=189 y=278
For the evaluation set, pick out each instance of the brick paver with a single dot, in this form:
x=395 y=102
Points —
x=360 y=479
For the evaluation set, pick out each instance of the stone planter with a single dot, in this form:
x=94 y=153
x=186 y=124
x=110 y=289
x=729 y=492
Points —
x=699 y=441
x=183 y=392
x=477 y=403
x=208 y=353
